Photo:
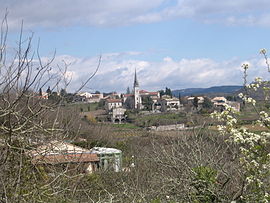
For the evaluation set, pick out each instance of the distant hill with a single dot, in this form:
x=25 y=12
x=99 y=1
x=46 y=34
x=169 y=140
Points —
x=207 y=91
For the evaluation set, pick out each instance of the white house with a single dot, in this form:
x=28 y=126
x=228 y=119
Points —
x=169 y=103
x=90 y=97
x=113 y=103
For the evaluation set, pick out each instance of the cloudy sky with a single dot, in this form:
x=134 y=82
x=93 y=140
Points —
x=173 y=43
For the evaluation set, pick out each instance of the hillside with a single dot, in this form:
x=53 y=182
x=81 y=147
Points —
x=204 y=91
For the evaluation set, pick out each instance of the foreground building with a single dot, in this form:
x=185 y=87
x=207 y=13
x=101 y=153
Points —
x=58 y=153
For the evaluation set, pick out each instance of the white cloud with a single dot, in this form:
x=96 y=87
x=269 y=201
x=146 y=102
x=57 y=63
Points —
x=51 y=13
x=117 y=73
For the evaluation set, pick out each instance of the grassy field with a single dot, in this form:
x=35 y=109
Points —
x=126 y=126
x=85 y=107
x=159 y=119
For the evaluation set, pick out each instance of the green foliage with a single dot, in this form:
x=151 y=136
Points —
x=161 y=92
x=122 y=146
x=207 y=104
x=156 y=200
x=195 y=102
x=128 y=90
x=85 y=107
x=168 y=91
x=205 y=183
x=231 y=98
x=90 y=144
x=160 y=119
x=147 y=103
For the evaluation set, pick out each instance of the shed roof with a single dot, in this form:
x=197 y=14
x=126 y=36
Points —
x=65 y=158
x=105 y=150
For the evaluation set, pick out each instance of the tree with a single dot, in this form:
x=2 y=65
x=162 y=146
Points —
x=63 y=93
x=27 y=121
x=40 y=92
x=207 y=104
x=161 y=92
x=128 y=90
x=196 y=102
x=168 y=91
x=147 y=103
x=253 y=145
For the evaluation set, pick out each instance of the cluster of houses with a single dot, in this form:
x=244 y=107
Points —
x=117 y=104
x=217 y=102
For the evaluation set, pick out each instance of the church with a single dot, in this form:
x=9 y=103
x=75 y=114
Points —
x=137 y=99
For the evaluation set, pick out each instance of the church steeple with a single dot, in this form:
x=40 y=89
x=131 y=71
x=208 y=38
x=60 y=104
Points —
x=136 y=83
x=137 y=97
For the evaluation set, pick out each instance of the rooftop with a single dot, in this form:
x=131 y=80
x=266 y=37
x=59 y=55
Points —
x=104 y=150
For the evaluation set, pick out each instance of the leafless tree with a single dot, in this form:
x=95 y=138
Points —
x=27 y=119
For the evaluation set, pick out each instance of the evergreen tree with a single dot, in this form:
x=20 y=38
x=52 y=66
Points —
x=161 y=92
x=168 y=91
x=63 y=93
x=128 y=90
x=207 y=104
x=49 y=92
x=40 y=92
x=196 y=102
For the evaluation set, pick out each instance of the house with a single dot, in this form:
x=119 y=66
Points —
x=90 y=97
x=113 y=103
x=59 y=153
x=192 y=105
x=62 y=153
x=118 y=115
x=220 y=102
x=155 y=96
x=191 y=100
x=169 y=103
x=110 y=158
x=235 y=105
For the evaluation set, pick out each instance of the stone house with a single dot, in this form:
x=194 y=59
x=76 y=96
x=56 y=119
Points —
x=58 y=153
x=62 y=153
x=113 y=103
x=169 y=103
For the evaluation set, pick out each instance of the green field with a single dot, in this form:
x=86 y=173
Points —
x=85 y=107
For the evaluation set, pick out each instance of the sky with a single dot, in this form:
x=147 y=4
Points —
x=171 y=43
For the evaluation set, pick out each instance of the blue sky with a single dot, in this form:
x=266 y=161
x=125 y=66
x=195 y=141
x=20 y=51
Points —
x=174 y=43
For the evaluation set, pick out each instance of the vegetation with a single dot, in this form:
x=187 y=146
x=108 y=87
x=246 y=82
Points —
x=159 y=119
x=199 y=165
x=85 y=107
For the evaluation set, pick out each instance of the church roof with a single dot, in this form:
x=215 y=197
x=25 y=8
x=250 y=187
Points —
x=144 y=92
x=136 y=83
x=128 y=95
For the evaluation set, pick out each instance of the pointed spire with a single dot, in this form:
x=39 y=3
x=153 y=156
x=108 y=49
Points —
x=136 y=83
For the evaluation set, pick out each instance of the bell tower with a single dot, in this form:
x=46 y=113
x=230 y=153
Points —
x=137 y=98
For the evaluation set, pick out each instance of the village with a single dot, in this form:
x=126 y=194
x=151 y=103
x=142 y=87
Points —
x=145 y=102
x=117 y=108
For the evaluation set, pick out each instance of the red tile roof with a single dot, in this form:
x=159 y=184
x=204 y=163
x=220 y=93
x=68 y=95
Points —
x=114 y=100
x=128 y=95
x=65 y=158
